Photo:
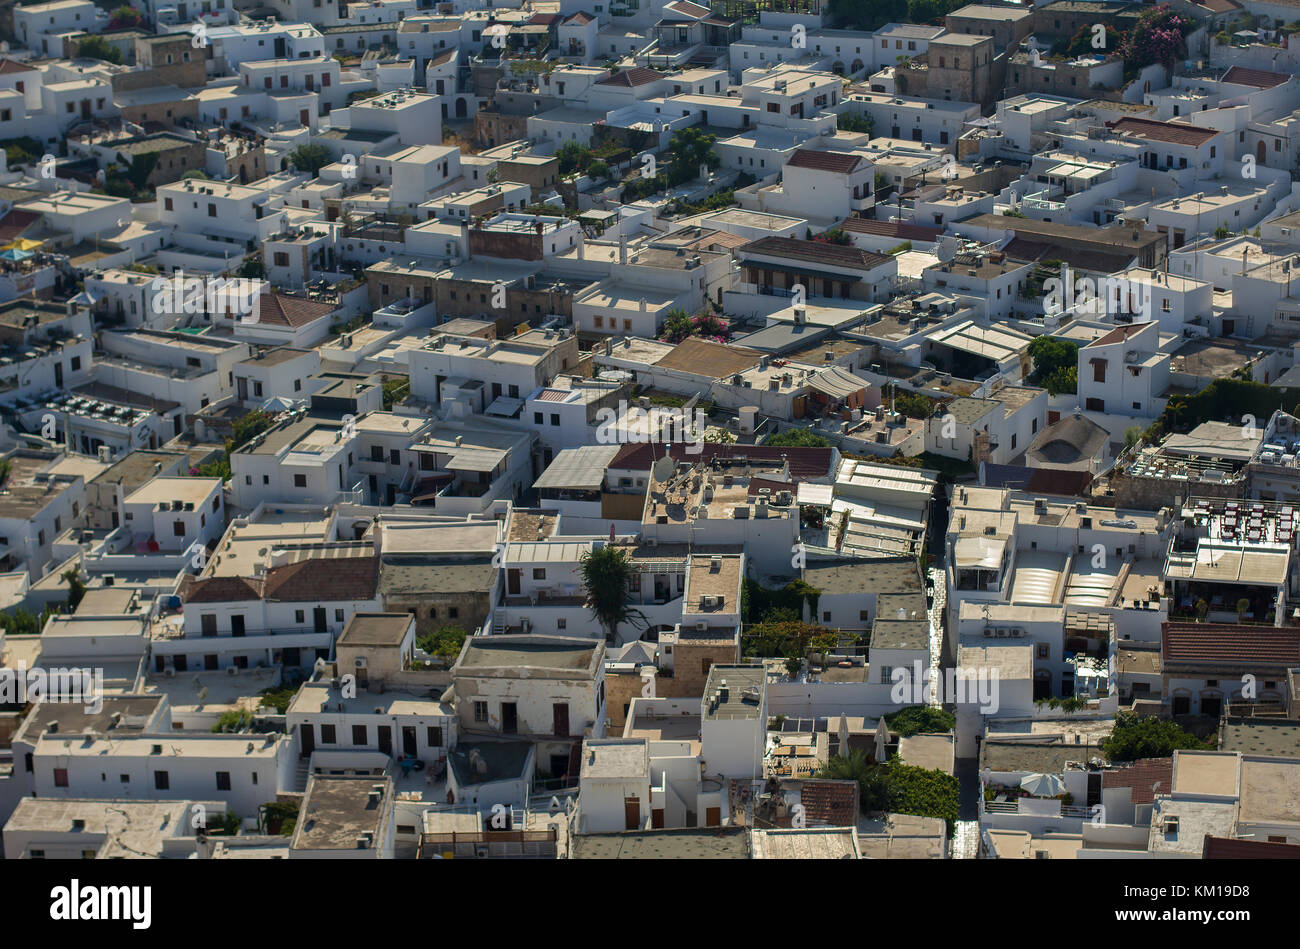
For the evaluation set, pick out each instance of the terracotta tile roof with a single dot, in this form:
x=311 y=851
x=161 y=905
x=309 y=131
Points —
x=15 y=223
x=708 y=358
x=284 y=310
x=1259 y=78
x=636 y=76
x=838 y=255
x=1118 y=334
x=1144 y=778
x=1170 y=133
x=832 y=802
x=824 y=161
x=580 y=17
x=544 y=19
x=9 y=66
x=1232 y=848
x=223 y=590
x=1229 y=644
x=686 y=8
x=342 y=578
x=1218 y=6
x=899 y=229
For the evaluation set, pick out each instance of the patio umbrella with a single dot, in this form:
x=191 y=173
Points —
x=1043 y=785
x=24 y=243
x=15 y=254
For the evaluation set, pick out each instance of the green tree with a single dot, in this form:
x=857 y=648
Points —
x=873 y=779
x=95 y=46
x=687 y=150
x=310 y=158
x=573 y=157
x=76 y=588
x=796 y=438
x=445 y=642
x=854 y=122
x=1136 y=737
x=1056 y=364
x=920 y=719
x=607 y=574
x=124 y=18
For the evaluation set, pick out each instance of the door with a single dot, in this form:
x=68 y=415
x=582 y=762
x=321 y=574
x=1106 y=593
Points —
x=509 y=718
x=242 y=385
x=1211 y=705
x=303 y=118
x=279 y=48
x=208 y=624
x=559 y=765
x=631 y=813
x=512 y=581
x=182 y=663
x=560 y=716
x=210 y=662
x=58 y=374
x=307 y=739
x=318 y=615
x=713 y=817
x=385 y=739
x=1182 y=704
x=237 y=625
x=1229 y=327
x=408 y=741
x=1260 y=153
x=657 y=818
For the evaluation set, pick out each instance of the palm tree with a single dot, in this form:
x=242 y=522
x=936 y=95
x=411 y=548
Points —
x=607 y=575
x=873 y=779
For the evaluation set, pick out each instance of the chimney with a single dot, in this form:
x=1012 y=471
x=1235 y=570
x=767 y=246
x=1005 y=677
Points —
x=582 y=250
x=379 y=538
x=622 y=250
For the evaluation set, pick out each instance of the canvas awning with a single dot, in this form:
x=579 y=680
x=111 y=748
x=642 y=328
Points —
x=980 y=553
x=837 y=382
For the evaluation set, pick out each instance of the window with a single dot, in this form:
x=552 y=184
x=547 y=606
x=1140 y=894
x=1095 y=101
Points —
x=886 y=674
x=299 y=616
x=539 y=573
x=178 y=528
x=212 y=210
x=60 y=777
x=435 y=736
x=358 y=734
x=480 y=712
x=555 y=418
x=453 y=612
x=300 y=481
x=223 y=780
x=327 y=735
x=161 y=781
x=864 y=616
x=1044 y=651
x=537 y=418
x=1099 y=370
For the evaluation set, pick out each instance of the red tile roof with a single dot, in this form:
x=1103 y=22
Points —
x=1218 y=6
x=223 y=590
x=1118 y=334
x=903 y=231
x=1229 y=644
x=824 y=161
x=8 y=66
x=636 y=76
x=580 y=17
x=284 y=310
x=686 y=8
x=820 y=252
x=1171 y=133
x=1232 y=848
x=1144 y=778
x=342 y=578
x=1259 y=78
x=15 y=223
x=831 y=802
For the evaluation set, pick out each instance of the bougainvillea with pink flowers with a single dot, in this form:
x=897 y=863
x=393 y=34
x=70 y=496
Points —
x=1159 y=37
x=679 y=326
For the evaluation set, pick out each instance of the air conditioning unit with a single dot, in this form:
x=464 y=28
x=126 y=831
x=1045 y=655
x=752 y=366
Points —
x=360 y=662
x=232 y=670
x=169 y=672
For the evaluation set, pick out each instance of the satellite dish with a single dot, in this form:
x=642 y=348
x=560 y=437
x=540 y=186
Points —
x=664 y=467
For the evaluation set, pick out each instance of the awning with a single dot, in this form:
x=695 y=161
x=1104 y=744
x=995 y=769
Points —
x=802 y=271
x=476 y=459
x=836 y=382
x=505 y=407
x=980 y=553
x=581 y=469
x=820 y=494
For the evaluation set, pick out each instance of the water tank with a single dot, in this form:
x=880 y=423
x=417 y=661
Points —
x=748 y=418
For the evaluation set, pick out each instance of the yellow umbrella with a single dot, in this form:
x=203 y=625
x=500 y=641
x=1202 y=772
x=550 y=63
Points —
x=23 y=243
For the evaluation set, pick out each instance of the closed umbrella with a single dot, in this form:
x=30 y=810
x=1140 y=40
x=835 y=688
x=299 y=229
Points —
x=1043 y=785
